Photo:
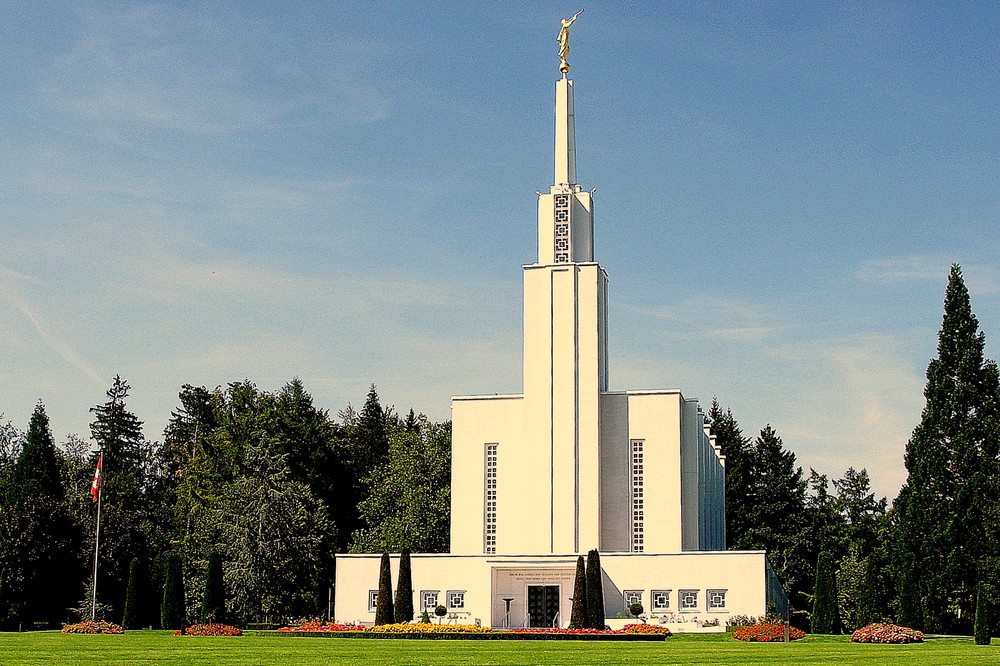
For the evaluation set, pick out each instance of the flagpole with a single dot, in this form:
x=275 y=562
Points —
x=97 y=543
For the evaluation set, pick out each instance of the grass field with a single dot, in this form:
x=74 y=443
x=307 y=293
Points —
x=159 y=647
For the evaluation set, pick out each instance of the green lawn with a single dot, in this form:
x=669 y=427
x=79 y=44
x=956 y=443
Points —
x=158 y=647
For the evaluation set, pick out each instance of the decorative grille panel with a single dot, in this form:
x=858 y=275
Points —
x=688 y=599
x=638 y=503
x=490 y=500
x=561 y=230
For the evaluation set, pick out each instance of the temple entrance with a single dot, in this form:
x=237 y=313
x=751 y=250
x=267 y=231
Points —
x=543 y=605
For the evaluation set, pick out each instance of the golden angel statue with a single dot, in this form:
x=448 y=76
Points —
x=563 y=40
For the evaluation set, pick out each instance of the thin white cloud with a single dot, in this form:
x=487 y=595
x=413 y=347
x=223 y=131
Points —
x=11 y=292
x=173 y=67
x=979 y=278
x=725 y=319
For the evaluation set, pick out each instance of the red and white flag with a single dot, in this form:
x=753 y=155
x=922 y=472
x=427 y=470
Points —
x=95 y=487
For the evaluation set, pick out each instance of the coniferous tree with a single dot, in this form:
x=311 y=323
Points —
x=867 y=608
x=403 y=607
x=213 y=605
x=132 y=615
x=910 y=612
x=729 y=437
x=36 y=471
x=595 y=591
x=40 y=540
x=943 y=509
x=982 y=625
x=824 y=613
x=173 y=613
x=373 y=441
x=777 y=520
x=383 y=605
x=128 y=522
x=578 y=618
x=6 y=619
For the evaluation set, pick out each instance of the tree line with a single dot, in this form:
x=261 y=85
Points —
x=846 y=558
x=268 y=487
x=264 y=481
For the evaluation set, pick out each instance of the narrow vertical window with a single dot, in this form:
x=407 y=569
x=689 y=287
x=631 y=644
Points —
x=638 y=511
x=490 y=499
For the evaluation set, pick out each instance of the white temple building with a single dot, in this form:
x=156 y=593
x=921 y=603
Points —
x=568 y=466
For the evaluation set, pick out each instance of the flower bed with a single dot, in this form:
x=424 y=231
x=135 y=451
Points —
x=767 y=632
x=100 y=627
x=322 y=627
x=653 y=629
x=214 y=629
x=466 y=631
x=560 y=630
x=887 y=633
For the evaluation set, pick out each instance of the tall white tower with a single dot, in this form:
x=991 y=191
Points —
x=565 y=345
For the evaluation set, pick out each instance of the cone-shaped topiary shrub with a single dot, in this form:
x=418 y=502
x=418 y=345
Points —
x=383 y=607
x=213 y=605
x=134 y=591
x=824 y=615
x=578 y=618
x=595 y=591
x=172 y=610
x=403 y=608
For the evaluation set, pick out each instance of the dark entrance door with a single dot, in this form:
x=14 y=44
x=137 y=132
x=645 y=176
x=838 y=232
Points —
x=543 y=605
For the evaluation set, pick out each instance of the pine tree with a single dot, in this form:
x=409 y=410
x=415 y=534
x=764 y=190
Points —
x=777 y=520
x=36 y=471
x=373 y=442
x=736 y=448
x=126 y=523
x=213 y=605
x=383 y=606
x=578 y=618
x=40 y=540
x=824 y=613
x=132 y=616
x=951 y=458
x=173 y=614
x=595 y=591
x=403 y=608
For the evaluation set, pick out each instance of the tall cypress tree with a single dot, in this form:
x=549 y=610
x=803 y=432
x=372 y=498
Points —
x=595 y=591
x=134 y=592
x=867 y=612
x=213 y=605
x=578 y=618
x=173 y=614
x=383 y=606
x=403 y=608
x=824 y=614
x=982 y=625
x=943 y=509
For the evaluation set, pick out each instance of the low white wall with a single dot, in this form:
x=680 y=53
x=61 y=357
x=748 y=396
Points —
x=485 y=580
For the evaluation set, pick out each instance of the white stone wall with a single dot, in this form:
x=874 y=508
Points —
x=743 y=575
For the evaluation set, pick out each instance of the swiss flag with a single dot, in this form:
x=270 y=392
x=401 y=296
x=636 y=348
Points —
x=95 y=487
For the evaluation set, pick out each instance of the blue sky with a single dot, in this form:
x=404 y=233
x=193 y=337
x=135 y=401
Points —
x=344 y=192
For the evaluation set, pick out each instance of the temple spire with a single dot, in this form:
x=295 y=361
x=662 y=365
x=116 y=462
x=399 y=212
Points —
x=565 y=152
x=565 y=131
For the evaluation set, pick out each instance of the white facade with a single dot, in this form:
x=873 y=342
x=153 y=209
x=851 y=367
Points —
x=569 y=466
